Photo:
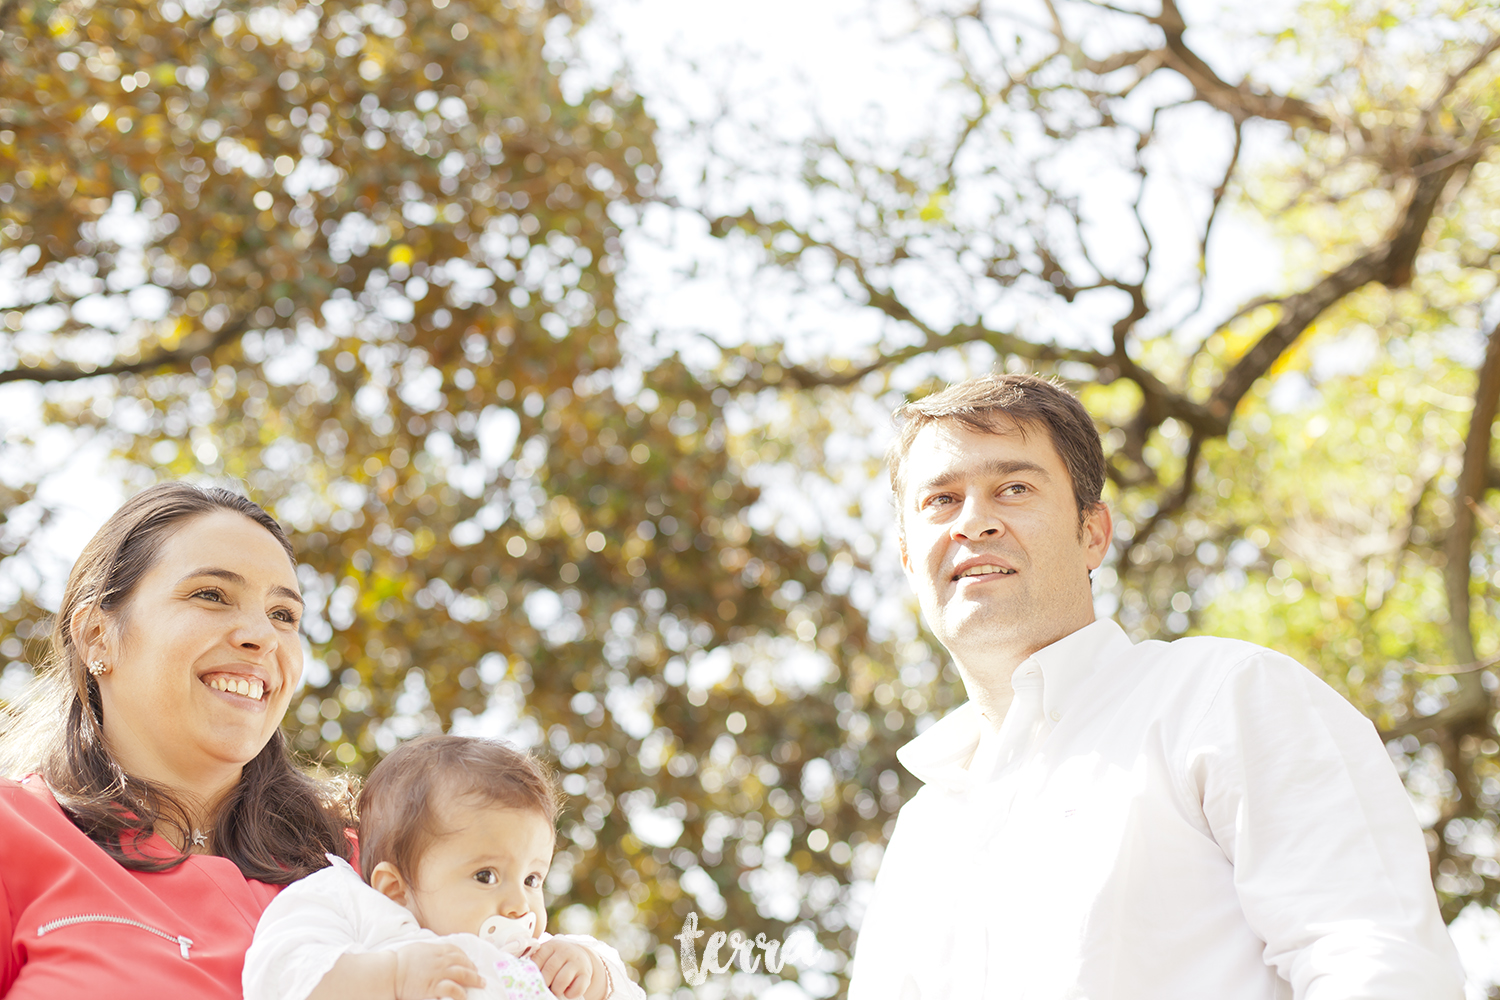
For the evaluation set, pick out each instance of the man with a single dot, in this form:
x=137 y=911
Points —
x=1199 y=820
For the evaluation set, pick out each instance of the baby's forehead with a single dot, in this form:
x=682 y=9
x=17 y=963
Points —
x=457 y=810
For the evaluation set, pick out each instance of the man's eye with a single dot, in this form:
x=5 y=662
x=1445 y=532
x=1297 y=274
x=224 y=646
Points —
x=1016 y=489
x=485 y=876
x=283 y=615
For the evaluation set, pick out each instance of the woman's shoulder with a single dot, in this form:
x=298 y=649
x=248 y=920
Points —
x=36 y=835
x=30 y=799
x=26 y=783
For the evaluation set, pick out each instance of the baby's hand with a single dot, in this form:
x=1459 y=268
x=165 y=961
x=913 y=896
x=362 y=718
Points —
x=434 y=969
x=570 y=970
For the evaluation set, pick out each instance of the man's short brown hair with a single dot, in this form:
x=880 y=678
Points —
x=398 y=805
x=997 y=403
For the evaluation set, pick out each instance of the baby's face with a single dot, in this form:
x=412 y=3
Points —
x=491 y=860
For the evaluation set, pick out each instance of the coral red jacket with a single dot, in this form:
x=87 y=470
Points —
x=77 y=926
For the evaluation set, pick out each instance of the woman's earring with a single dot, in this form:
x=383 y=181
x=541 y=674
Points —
x=97 y=668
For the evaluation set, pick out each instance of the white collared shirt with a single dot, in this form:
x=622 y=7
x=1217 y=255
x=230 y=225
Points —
x=1196 y=820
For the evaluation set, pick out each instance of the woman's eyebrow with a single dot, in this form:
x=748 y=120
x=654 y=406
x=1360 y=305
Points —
x=230 y=576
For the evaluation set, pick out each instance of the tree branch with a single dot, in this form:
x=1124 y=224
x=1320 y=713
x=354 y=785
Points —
x=1434 y=670
x=162 y=359
x=803 y=377
x=1213 y=212
x=1453 y=717
x=1472 y=482
x=1389 y=263
x=1430 y=113
x=1239 y=102
x=1175 y=503
x=1471 y=702
x=1465 y=154
x=7 y=8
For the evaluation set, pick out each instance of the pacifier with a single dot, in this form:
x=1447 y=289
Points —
x=510 y=934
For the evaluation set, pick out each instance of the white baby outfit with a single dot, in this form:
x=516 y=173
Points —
x=333 y=912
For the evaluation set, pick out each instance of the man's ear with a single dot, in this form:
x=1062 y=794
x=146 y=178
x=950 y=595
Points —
x=387 y=881
x=1098 y=528
x=901 y=538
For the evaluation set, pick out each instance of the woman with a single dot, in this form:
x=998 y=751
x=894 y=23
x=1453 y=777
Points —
x=162 y=811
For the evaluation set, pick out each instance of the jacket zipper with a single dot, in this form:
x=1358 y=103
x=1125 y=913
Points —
x=182 y=942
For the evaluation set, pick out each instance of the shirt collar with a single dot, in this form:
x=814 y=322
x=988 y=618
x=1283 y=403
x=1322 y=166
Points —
x=1070 y=661
x=941 y=755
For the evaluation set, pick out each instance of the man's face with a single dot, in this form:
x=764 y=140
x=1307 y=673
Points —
x=991 y=541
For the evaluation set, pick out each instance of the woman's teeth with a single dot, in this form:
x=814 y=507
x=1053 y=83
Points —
x=238 y=685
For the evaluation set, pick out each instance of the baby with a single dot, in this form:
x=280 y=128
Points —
x=455 y=839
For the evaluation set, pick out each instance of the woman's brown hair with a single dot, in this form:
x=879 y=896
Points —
x=277 y=823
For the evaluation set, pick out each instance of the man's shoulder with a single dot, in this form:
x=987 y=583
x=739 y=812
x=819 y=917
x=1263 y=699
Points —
x=1219 y=677
x=1209 y=657
x=1182 y=678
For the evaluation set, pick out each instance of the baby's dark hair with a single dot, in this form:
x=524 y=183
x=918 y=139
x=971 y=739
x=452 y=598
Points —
x=397 y=806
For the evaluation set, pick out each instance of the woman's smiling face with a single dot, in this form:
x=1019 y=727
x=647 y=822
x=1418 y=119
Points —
x=203 y=657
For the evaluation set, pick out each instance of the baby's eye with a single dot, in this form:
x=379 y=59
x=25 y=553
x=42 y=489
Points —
x=534 y=880
x=486 y=876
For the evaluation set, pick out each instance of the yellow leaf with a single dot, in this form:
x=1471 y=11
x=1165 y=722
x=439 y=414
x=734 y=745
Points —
x=174 y=331
x=1296 y=357
x=1235 y=340
x=422 y=541
x=937 y=206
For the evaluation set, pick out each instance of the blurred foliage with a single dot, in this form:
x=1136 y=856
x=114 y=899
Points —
x=1302 y=466
x=363 y=257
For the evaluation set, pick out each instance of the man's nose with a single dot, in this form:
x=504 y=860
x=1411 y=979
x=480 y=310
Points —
x=977 y=519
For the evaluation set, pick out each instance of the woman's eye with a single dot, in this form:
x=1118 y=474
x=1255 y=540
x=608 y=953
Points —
x=485 y=877
x=283 y=615
x=210 y=595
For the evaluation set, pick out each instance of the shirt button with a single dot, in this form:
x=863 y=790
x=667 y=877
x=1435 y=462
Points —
x=1056 y=715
